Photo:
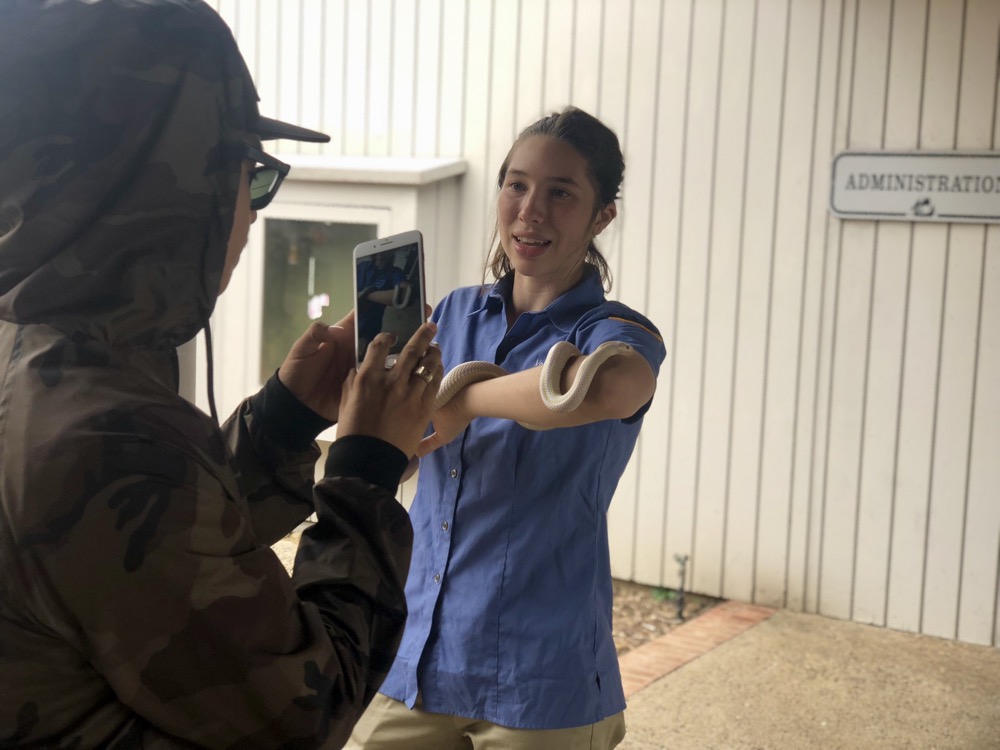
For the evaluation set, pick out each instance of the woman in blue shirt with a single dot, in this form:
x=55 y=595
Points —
x=508 y=642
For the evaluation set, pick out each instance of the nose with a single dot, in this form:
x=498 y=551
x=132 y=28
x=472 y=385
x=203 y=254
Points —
x=253 y=216
x=532 y=210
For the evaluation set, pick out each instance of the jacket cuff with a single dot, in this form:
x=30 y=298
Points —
x=283 y=418
x=368 y=458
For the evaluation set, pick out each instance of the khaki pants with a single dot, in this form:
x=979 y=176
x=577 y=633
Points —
x=390 y=725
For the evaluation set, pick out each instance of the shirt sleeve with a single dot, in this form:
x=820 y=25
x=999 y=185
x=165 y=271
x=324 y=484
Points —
x=629 y=327
x=271 y=438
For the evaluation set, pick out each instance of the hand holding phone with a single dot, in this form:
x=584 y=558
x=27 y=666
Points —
x=394 y=405
x=389 y=291
x=318 y=364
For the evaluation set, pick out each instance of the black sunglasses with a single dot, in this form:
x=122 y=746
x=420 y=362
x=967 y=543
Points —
x=266 y=179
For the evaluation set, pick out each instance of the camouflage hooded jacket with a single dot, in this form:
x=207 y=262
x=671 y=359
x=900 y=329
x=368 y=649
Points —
x=140 y=604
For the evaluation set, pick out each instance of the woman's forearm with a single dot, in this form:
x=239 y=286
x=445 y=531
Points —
x=620 y=388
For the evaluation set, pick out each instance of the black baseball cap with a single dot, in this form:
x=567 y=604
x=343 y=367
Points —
x=270 y=129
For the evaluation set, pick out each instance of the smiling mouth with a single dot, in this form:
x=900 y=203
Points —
x=531 y=242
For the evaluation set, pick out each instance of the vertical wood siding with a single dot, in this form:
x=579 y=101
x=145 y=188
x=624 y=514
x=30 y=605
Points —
x=826 y=431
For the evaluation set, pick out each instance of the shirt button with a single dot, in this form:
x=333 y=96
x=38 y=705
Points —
x=437 y=578
x=454 y=473
x=444 y=526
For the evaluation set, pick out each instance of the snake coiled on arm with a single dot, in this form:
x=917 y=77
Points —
x=549 y=381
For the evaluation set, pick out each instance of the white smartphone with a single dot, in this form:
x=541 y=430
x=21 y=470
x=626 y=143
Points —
x=388 y=291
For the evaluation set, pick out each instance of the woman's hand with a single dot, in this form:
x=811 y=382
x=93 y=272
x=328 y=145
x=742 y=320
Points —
x=395 y=404
x=449 y=421
x=318 y=364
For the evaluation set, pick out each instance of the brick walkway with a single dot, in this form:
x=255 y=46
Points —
x=655 y=659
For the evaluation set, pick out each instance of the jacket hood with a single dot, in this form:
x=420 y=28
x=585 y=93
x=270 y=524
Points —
x=121 y=132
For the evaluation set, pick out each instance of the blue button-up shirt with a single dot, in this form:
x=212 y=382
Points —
x=509 y=590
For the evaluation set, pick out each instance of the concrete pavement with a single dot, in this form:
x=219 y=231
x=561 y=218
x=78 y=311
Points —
x=784 y=680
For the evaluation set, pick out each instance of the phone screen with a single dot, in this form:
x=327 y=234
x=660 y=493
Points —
x=389 y=290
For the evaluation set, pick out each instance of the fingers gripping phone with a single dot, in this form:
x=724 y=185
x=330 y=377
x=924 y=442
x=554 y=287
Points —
x=388 y=291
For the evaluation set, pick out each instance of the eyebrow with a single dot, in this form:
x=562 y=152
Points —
x=562 y=180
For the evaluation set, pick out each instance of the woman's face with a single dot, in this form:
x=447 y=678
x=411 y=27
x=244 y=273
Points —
x=546 y=211
x=243 y=217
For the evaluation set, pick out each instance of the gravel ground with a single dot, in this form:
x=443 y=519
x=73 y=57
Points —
x=641 y=613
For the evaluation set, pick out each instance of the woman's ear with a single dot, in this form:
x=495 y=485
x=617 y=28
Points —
x=604 y=217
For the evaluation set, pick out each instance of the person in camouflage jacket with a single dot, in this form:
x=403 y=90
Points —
x=140 y=603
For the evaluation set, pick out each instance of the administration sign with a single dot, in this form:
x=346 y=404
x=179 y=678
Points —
x=917 y=186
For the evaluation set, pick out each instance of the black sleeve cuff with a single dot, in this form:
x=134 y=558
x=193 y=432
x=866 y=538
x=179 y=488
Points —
x=283 y=418
x=368 y=458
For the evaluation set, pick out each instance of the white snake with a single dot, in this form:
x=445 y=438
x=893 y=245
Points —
x=548 y=384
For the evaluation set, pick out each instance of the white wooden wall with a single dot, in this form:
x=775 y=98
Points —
x=826 y=432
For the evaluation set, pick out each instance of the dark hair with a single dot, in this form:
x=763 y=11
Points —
x=599 y=147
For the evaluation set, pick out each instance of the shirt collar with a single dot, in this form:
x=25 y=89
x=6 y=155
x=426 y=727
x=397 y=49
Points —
x=565 y=310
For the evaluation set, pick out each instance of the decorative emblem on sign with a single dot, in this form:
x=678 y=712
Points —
x=923 y=207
